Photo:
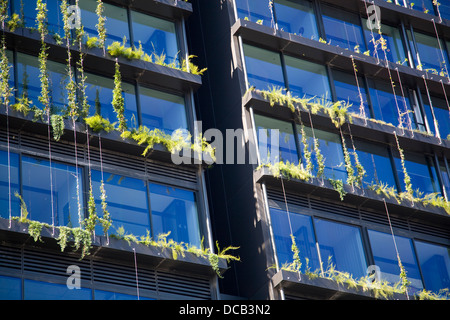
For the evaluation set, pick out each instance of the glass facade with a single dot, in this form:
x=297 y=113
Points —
x=385 y=257
x=296 y=17
x=174 y=210
x=343 y=29
x=263 y=68
x=38 y=188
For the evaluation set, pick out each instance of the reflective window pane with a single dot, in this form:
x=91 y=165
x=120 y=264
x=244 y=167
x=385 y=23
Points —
x=6 y=182
x=127 y=202
x=421 y=170
x=302 y=230
x=156 y=36
x=39 y=290
x=435 y=264
x=386 y=106
x=99 y=92
x=307 y=79
x=376 y=161
x=394 y=52
x=116 y=24
x=341 y=244
x=385 y=256
x=441 y=113
x=330 y=146
x=10 y=288
x=271 y=149
x=37 y=191
x=297 y=17
x=174 y=210
x=161 y=110
x=346 y=89
x=30 y=84
x=109 y=295
x=432 y=59
x=343 y=28
x=26 y=9
x=254 y=10
x=263 y=68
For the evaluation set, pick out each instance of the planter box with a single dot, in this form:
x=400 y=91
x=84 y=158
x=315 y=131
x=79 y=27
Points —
x=117 y=249
x=322 y=288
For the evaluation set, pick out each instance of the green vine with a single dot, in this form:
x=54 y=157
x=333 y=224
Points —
x=306 y=151
x=35 y=229
x=105 y=220
x=406 y=177
x=338 y=185
x=57 y=122
x=118 y=101
x=101 y=30
x=5 y=90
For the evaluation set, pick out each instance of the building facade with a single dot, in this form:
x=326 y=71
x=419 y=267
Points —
x=64 y=179
x=344 y=103
x=354 y=184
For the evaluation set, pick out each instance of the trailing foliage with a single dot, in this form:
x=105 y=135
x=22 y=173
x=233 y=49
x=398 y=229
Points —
x=101 y=30
x=118 y=102
x=57 y=122
x=6 y=91
x=338 y=185
x=287 y=170
x=97 y=123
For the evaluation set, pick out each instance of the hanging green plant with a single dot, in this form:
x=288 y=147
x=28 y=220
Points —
x=406 y=177
x=306 y=151
x=3 y=12
x=118 y=101
x=105 y=220
x=101 y=30
x=6 y=91
x=320 y=159
x=57 y=122
x=91 y=221
x=351 y=178
x=297 y=264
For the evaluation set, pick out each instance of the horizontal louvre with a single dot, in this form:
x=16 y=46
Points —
x=53 y=264
x=172 y=172
x=10 y=258
x=48 y=265
x=184 y=285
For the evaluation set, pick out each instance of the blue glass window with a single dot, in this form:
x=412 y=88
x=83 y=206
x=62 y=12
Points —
x=297 y=17
x=108 y=295
x=341 y=244
x=99 y=92
x=37 y=191
x=347 y=90
x=302 y=229
x=174 y=210
x=330 y=146
x=385 y=257
x=307 y=79
x=444 y=9
x=429 y=53
x=441 y=113
x=263 y=68
x=272 y=150
x=116 y=21
x=254 y=10
x=395 y=51
x=127 y=202
x=156 y=35
x=10 y=288
x=4 y=184
x=161 y=110
x=26 y=9
x=421 y=170
x=30 y=83
x=385 y=103
x=39 y=290
x=425 y=6
x=435 y=264
x=376 y=161
x=343 y=28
